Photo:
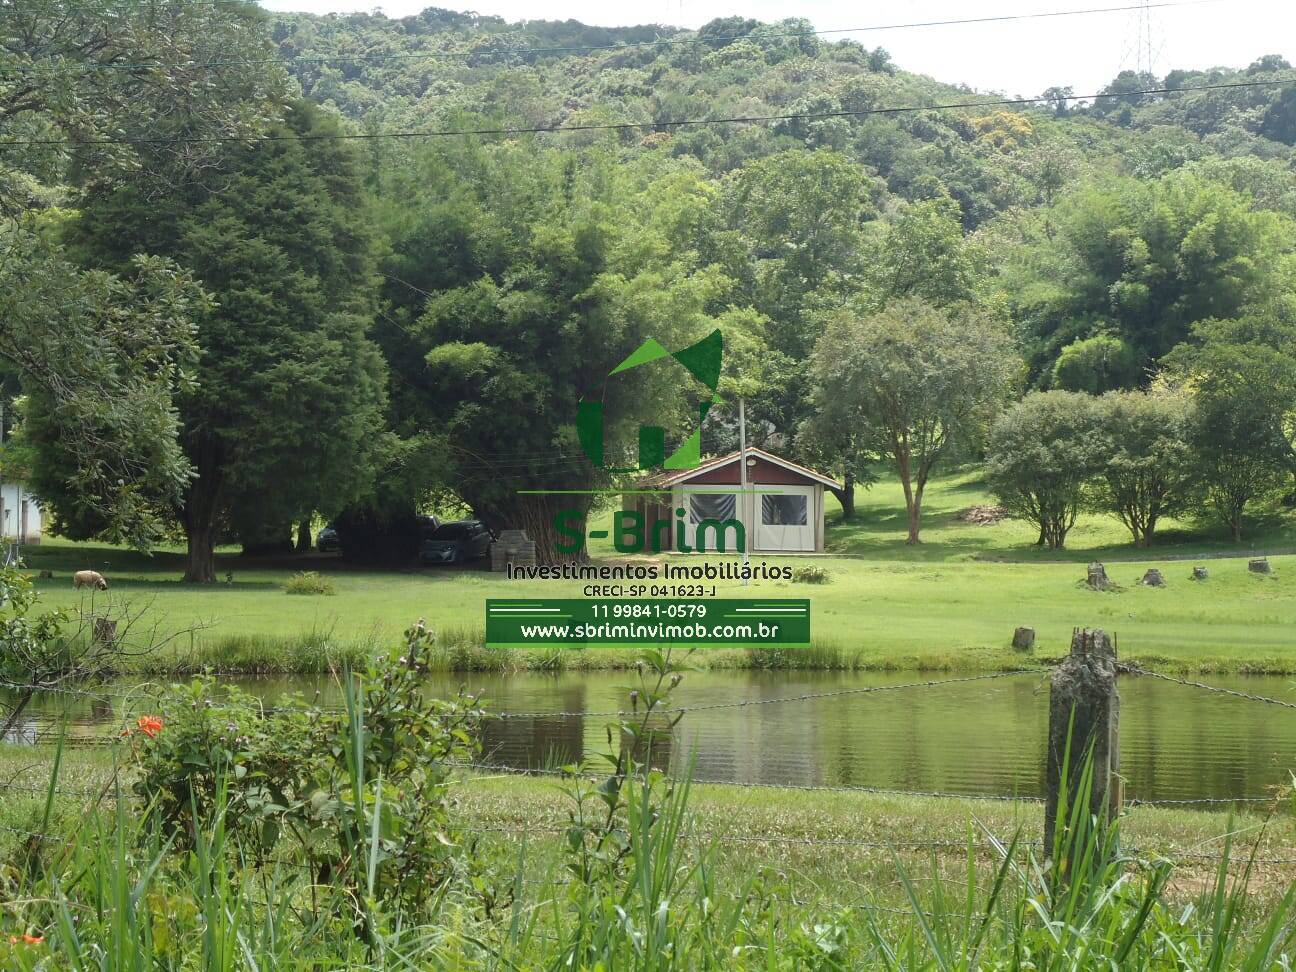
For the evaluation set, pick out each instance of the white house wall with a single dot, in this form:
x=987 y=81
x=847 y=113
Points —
x=12 y=498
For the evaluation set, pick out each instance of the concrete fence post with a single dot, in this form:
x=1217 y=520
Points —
x=1084 y=707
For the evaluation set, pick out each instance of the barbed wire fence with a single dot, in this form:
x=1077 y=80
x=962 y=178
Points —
x=126 y=704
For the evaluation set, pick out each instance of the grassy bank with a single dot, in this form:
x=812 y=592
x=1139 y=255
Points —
x=950 y=604
x=812 y=879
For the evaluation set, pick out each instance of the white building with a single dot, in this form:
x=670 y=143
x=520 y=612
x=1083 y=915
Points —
x=20 y=514
x=782 y=510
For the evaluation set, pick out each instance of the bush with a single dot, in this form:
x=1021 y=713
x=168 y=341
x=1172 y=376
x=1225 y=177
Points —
x=309 y=582
x=345 y=790
x=810 y=574
x=1096 y=365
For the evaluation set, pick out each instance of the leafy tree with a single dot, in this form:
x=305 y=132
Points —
x=521 y=278
x=912 y=377
x=1042 y=455
x=799 y=216
x=1146 y=460
x=844 y=450
x=290 y=391
x=1242 y=377
x=1144 y=261
x=104 y=356
x=924 y=254
x=1095 y=365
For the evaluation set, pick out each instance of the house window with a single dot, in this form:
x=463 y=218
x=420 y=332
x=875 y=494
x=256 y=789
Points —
x=783 y=510
x=712 y=506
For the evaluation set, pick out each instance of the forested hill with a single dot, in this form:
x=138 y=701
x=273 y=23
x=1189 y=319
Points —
x=444 y=69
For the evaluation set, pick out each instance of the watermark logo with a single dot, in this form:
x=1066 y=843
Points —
x=701 y=360
x=632 y=533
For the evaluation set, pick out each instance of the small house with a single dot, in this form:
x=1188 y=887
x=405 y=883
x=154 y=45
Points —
x=20 y=514
x=781 y=510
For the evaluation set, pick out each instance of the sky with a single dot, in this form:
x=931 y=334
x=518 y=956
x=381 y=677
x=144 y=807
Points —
x=1025 y=57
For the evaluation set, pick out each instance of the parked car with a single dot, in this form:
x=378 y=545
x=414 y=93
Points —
x=456 y=542
x=327 y=539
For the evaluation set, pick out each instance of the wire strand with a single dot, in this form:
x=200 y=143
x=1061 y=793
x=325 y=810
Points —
x=632 y=126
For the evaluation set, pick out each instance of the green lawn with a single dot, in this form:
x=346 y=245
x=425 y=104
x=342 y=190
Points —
x=951 y=602
x=878 y=530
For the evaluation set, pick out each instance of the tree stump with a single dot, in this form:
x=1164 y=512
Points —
x=1097 y=578
x=1260 y=566
x=105 y=633
x=1153 y=578
x=1200 y=573
x=1024 y=639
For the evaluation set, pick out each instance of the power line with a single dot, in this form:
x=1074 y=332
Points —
x=633 y=126
x=755 y=35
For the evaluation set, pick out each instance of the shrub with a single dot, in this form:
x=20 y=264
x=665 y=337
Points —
x=810 y=574
x=309 y=582
x=347 y=790
x=1096 y=365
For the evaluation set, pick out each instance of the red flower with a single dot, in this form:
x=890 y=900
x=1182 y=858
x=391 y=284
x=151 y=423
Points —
x=149 y=725
x=26 y=939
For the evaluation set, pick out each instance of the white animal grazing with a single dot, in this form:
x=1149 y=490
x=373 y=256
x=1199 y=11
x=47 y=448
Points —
x=89 y=578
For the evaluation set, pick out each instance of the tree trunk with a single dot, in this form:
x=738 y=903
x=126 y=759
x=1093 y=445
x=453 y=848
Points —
x=1043 y=537
x=1235 y=524
x=846 y=497
x=202 y=505
x=200 y=558
x=536 y=515
x=304 y=535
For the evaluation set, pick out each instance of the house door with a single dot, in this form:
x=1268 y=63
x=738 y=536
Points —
x=786 y=518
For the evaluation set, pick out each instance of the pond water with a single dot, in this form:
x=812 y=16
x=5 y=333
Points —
x=981 y=737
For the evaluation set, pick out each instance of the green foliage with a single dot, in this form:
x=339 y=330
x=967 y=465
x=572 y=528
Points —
x=309 y=582
x=810 y=574
x=1095 y=365
x=924 y=254
x=358 y=795
x=27 y=640
x=289 y=388
x=1147 y=461
x=1041 y=456
x=519 y=278
x=1143 y=262
x=912 y=378
x=103 y=357
x=1242 y=377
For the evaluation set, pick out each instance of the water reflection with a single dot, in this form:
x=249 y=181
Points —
x=1177 y=743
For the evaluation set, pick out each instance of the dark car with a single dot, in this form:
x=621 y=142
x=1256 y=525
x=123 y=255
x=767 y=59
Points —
x=456 y=542
x=327 y=539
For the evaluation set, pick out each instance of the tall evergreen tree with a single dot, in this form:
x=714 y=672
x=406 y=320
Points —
x=286 y=412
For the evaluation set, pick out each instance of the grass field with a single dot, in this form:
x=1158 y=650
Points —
x=828 y=844
x=950 y=603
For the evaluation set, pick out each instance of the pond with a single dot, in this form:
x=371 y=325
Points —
x=975 y=737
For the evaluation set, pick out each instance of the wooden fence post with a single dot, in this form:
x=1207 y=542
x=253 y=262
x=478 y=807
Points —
x=1084 y=706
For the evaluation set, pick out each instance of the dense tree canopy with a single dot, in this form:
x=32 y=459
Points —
x=911 y=378
x=524 y=278
x=1143 y=262
x=388 y=323
x=286 y=412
